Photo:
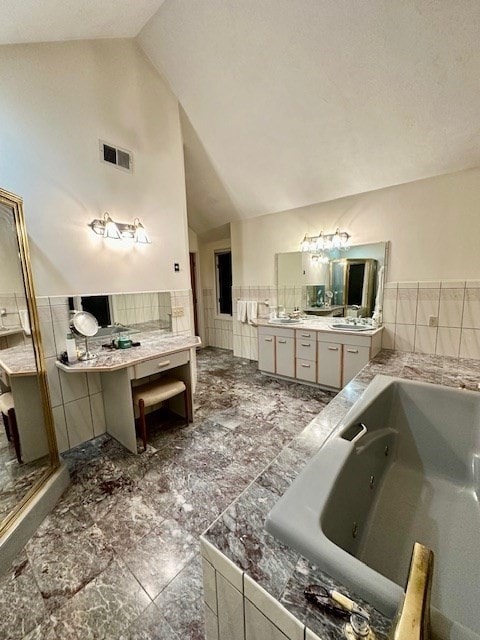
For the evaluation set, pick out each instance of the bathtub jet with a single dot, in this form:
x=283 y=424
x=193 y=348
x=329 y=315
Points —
x=402 y=466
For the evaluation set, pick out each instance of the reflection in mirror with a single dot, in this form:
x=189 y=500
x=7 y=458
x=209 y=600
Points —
x=24 y=451
x=342 y=283
x=126 y=312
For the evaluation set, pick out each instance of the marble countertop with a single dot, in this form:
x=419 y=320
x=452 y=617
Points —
x=318 y=323
x=239 y=532
x=18 y=361
x=10 y=331
x=153 y=344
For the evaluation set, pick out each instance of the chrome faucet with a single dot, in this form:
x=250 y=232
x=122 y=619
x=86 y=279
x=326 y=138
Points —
x=412 y=621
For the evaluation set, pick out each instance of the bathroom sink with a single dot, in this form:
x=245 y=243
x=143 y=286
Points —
x=343 y=326
x=285 y=321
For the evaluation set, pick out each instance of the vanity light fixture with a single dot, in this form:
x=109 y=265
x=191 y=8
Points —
x=108 y=228
x=141 y=234
x=326 y=241
x=320 y=257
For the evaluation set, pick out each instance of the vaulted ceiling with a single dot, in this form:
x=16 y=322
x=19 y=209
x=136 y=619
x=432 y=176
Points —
x=291 y=102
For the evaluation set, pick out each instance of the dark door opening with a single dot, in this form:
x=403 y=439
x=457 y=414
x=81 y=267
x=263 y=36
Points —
x=193 y=279
x=223 y=261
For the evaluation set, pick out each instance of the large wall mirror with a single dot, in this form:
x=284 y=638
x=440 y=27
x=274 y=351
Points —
x=28 y=452
x=332 y=283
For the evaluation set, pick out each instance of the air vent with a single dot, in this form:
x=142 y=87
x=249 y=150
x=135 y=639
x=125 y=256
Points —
x=120 y=158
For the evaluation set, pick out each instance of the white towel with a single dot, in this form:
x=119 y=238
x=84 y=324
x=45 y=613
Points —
x=242 y=311
x=252 y=311
x=380 y=285
x=25 y=321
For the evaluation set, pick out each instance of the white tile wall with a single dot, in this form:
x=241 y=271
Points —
x=211 y=624
x=230 y=604
x=259 y=626
x=245 y=341
x=408 y=307
x=242 y=610
x=273 y=610
x=218 y=331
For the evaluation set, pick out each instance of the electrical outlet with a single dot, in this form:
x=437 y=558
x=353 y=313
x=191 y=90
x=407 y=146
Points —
x=177 y=312
x=432 y=321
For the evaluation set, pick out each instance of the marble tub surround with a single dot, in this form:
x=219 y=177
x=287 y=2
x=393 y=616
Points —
x=261 y=572
x=119 y=556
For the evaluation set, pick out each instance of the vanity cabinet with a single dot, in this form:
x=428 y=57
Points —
x=276 y=351
x=354 y=359
x=342 y=356
x=316 y=356
x=329 y=364
x=306 y=355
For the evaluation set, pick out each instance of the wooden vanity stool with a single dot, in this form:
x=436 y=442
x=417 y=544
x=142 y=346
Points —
x=7 y=409
x=146 y=395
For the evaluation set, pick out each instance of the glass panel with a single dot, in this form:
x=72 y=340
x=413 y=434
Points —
x=336 y=282
x=24 y=451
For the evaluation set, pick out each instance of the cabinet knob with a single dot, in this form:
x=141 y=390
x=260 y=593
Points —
x=282 y=341
x=268 y=339
x=306 y=344
x=333 y=348
x=307 y=366
x=352 y=350
x=305 y=335
x=164 y=364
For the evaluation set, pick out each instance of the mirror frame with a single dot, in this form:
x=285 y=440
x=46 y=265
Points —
x=15 y=203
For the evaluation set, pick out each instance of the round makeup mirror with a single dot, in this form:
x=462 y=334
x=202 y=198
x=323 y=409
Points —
x=85 y=324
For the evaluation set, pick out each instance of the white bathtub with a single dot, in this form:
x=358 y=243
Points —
x=366 y=497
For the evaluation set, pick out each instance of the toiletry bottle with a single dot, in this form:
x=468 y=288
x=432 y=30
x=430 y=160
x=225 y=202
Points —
x=71 y=348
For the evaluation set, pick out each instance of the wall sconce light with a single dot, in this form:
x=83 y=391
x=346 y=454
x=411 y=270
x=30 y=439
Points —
x=108 y=228
x=326 y=241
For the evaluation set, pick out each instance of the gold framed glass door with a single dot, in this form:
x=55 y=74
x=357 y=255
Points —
x=28 y=449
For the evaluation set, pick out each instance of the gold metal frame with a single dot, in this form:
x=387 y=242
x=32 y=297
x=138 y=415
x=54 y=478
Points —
x=16 y=204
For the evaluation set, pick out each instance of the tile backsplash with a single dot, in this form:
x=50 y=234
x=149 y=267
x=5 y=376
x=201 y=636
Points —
x=435 y=317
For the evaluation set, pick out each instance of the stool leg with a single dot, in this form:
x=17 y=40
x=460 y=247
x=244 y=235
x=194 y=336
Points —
x=12 y=419
x=7 y=426
x=185 y=398
x=143 y=424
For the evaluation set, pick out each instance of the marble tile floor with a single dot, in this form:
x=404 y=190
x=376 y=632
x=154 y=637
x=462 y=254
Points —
x=118 y=558
x=15 y=479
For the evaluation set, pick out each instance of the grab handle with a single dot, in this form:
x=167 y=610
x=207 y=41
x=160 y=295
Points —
x=354 y=432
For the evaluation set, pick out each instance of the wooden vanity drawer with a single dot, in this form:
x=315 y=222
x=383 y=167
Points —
x=157 y=365
x=306 y=370
x=301 y=334
x=306 y=349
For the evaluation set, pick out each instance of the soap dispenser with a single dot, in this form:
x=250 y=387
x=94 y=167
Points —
x=71 y=349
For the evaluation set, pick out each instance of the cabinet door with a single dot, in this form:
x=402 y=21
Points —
x=354 y=359
x=266 y=353
x=286 y=357
x=306 y=370
x=329 y=365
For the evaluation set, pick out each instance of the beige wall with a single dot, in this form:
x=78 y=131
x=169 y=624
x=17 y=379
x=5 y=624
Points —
x=57 y=101
x=433 y=226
